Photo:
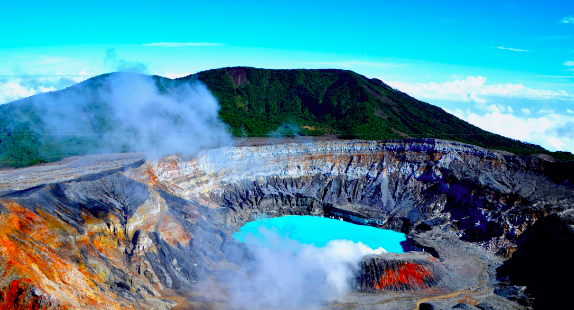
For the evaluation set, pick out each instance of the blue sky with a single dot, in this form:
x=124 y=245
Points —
x=507 y=67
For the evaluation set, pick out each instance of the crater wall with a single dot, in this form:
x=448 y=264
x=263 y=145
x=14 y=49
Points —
x=135 y=234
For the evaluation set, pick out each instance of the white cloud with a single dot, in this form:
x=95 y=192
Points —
x=537 y=124
x=181 y=44
x=496 y=108
x=475 y=89
x=569 y=63
x=568 y=20
x=554 y=132
x=11 y=91
x=22 y=87
x=511 y=49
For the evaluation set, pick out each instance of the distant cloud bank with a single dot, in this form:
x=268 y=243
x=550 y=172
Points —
x=14 y=88
x=474 y=89
x=550 y=130
x=489 y=107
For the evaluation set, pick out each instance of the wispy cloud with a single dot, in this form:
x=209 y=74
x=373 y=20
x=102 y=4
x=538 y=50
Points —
x=42 y=59
x=546 y=111
x=554 y=76
x=182 y=44
x=568 y=20
x=569 y=63
x=511 y=49
x=355 y=63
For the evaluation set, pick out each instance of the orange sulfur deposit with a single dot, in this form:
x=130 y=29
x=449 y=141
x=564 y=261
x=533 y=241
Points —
x=37 y=262
x=409 y=273
x=385 y=272
x=48 y=264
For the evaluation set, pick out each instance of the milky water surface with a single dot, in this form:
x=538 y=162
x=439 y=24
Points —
x=288 y=231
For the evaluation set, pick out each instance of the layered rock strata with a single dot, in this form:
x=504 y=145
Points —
x=129 y=234
x=484 y=196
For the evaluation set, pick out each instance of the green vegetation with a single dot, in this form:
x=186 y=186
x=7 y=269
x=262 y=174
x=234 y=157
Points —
x=254 y=102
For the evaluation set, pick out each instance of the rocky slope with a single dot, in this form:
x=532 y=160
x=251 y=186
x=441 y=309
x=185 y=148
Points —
x=153 y=234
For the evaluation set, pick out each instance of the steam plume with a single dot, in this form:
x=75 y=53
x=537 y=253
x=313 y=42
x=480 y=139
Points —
x=296 y=276
x=132 y=112
x=119 y=64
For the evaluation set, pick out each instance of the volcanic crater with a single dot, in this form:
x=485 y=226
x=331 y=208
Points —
x=118 y=231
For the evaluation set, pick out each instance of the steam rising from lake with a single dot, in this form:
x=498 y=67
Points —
x=287 y=273
x=283 y=279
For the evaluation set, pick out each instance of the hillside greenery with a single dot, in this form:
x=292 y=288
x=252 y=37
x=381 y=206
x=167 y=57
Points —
x=255 y=103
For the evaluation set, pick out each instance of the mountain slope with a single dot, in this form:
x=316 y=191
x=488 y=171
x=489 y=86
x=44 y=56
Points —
x=339 y=102
x=82 y=119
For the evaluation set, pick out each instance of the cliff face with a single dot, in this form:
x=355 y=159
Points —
x=551 y=239
x=128 y=233
x=483 y=195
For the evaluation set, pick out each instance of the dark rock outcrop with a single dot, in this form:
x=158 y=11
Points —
x=542 y=263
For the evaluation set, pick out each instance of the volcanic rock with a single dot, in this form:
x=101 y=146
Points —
x=398 y=272
x=129 y=233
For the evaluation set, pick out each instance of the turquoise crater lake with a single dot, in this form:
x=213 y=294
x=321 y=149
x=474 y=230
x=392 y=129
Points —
x=318 y=231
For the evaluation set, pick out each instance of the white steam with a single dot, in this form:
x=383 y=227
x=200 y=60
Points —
x=119 y=64
x=133 y=112
x=292 y=275
x=181 y=120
